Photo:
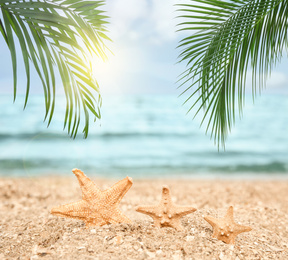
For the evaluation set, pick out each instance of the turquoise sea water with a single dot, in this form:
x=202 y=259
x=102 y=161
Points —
x=148 y=136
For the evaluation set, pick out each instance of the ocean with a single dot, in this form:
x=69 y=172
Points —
x=143 y=137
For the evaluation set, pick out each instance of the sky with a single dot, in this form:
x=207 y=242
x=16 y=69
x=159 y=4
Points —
x=144 y=59
x=144 y=45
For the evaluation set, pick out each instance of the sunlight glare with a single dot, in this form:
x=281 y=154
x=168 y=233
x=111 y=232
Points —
x=113 y=74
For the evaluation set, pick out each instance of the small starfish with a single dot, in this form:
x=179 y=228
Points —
x=226 y=229
x=166 y=214
x=97 y=208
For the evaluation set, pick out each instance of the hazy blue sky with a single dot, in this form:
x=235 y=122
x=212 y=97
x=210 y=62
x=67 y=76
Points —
x=145 y=54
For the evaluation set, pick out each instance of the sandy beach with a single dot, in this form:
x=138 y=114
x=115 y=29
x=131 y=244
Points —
x=29 y=231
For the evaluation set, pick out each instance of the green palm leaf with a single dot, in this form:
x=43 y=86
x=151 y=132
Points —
x=58 y=36
x=230 y=37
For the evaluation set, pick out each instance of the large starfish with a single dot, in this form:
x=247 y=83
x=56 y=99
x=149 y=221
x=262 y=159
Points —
x=166 y=214
x=226 y=229
x=97 y=207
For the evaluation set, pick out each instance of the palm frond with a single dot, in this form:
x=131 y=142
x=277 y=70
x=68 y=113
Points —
x=229 y=38
x=57 y=35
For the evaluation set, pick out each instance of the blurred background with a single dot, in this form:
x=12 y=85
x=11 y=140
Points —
x=144 y=136
x=144 y=131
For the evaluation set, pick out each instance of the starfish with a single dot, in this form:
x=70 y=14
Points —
x=226 y=229
x=97 y=208
x=166 y=214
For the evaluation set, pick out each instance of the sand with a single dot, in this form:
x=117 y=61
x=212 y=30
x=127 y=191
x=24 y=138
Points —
x=29 y=231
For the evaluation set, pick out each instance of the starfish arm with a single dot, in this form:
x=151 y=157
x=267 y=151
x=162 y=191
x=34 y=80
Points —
x=118 y=190
x=119 y=217
x=215 y=233
x=89 y=189
x=240 y=229
x=184 y=210
x=176 y=223
x=212 y=221
x=77 y=210
x=156 y=222
x=148 y=210
x=166 y=195
x=231 y=241
x=229 y=214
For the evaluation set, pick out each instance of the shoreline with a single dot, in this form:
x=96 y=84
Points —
x=249 y=176
x=28 y=230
